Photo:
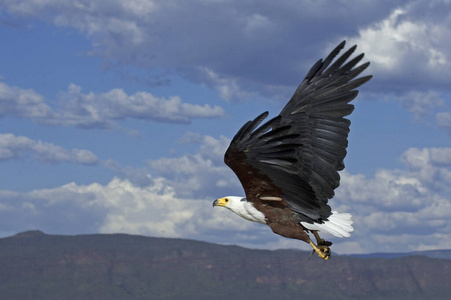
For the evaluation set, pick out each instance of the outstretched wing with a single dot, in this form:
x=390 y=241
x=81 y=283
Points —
x=297 y=155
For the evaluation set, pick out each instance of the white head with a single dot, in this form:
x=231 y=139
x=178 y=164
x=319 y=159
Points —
x=234 y=203
x=241 y=207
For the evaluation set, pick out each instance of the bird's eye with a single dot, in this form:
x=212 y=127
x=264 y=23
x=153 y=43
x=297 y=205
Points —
x=226 y=200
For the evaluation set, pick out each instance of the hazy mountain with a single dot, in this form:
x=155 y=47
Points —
x=34 y=265
x=443 y=254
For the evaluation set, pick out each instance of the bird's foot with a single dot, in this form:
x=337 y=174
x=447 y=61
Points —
x=321 y=247
x=323 y=251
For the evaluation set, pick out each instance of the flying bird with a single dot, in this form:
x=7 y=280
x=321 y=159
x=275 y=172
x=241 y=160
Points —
x=289 y=165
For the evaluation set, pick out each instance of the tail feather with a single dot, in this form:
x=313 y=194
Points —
x=338 y=224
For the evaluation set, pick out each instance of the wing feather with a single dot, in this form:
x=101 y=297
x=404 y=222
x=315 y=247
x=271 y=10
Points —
x=296 y=156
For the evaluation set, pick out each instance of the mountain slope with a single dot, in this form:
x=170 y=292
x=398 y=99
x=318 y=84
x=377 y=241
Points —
x=443 y=254
x=34 y=265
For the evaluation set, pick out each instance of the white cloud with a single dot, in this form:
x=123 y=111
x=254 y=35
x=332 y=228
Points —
x=419 y=158
x=411 y=204
x=89 y=109
x=410 y=48
x=409 y=207
x=12 y=146
x=421 y=104
x=228 y=88
x=256 y=23
x=118 y=206
x=18 y=102
x=84 y=156
x=430 y=165
x=200 y=175
x=393 y=208
x=443 y=121
x=214 y=149
x=244 y=50
x=250 y=50
x=203 y=174
x=100 y=110
x=190 y=137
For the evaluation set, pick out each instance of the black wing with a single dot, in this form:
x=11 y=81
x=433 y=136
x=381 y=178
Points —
x=300 y=152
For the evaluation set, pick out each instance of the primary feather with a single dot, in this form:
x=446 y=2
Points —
x=302 y=149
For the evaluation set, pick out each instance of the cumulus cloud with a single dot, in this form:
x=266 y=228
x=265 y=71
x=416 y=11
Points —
x=409 y=48
x=396 y=207
x=118 y=206
x=197 y=176
x=100 y=110
x=244 y=50
x=263 y=49
x=12 y=147
x=203 y=174
x=18 y=102
x=421 y=104
x=430 y=165
x=190 y=137
x=175 y=201
x=104 y=109
x=392 y=208
x=410 y=56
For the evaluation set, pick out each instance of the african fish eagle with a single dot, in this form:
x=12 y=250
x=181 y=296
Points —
x=289 y=166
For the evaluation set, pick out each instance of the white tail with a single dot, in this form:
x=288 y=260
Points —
x=338 y=224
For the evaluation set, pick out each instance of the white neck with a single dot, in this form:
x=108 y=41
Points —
x=247 y=210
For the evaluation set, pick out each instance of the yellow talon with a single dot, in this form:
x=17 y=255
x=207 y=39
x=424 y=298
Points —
x=322 y=247
x=323 y=251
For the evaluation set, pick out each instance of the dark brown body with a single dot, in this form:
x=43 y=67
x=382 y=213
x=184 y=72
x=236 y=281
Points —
x=279 y=217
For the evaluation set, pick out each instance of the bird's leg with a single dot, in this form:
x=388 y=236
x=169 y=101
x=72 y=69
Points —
x=322 y=246
x=319 y=240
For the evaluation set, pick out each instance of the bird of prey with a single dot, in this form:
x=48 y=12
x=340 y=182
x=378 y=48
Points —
x=289 y=165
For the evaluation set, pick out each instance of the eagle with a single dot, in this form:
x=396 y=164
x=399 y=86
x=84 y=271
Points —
x=288 y=166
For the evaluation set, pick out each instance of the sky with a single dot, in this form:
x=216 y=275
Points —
x=115 y=115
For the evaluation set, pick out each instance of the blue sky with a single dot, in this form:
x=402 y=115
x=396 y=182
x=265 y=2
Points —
x=115 y=115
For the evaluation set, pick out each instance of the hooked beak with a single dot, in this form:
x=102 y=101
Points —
x=220 y=202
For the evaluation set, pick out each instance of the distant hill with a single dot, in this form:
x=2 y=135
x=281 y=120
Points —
x=443 y=254
x=34 y=265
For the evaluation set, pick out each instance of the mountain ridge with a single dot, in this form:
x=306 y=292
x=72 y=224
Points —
x=438 y=253
x=35 y=265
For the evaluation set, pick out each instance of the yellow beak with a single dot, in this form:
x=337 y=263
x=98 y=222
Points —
x=220 y=202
